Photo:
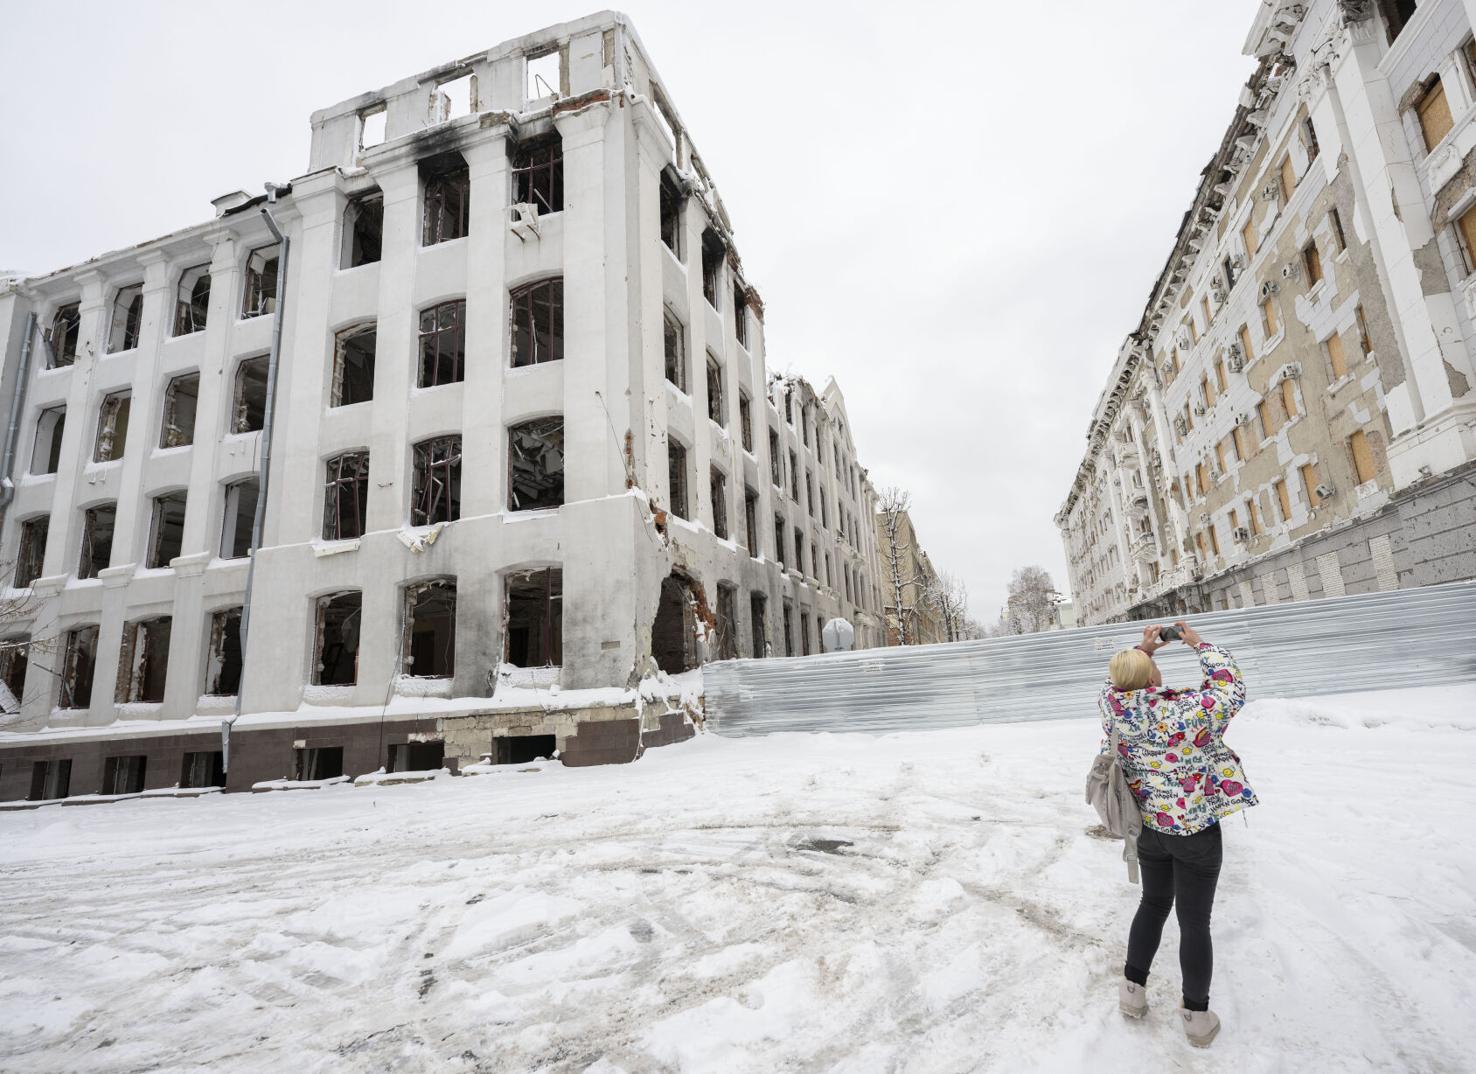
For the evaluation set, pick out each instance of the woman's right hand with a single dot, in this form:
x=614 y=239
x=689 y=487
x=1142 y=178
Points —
x=1189 y=635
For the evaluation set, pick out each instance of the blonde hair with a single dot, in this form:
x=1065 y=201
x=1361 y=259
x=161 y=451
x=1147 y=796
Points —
x=1130 y=669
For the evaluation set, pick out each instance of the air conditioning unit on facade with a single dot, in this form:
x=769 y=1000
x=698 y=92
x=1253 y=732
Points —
x=1235 y=361
x=1241 y=534
x=1181 y=426
x=1199 y=410
x=1290 y=371
x=1325 y=491
x=1269 y=288
x=1291 y=271
x=525 y=221
x=1270 y=191
x=1242 y=419
x=1184 y=341
x=1237 y=262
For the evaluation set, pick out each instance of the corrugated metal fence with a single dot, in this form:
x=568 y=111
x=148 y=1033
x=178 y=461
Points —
x=1410 y=637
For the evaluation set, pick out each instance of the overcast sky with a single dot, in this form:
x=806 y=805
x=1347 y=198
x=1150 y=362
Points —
x=955 y=209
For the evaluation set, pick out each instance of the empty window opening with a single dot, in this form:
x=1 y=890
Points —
x=166 y=537
x=750 y=521
x=181 y=401
x=524 y=749
x=758 y=617
x=15 y=655
x=776 y=460
x=535 y=456
x=416 y=757
x=716 y=411
x=675 y=348
x=799 y=550
x=538 y=323
x=1313 y=261
x=804 y=634
x=363 y=230
x=447 y=198
x=538 y=173
x=336 y=645
x=745 y=420
x=674 y=641
x=353 y=366
x=718 y=489
x=727 y=622
x=46 y=451
x=112 y=427
x=192 y=301
x=1335 y=222
x=740 y=315
x=794 y=477
x=124 y=775
x=1396 y=13
x=373 y=126
x=346 y=496
x=127 y=319
x=544 y=75
x=97 y=539
x=50 y=780
x=1308 y=134
x=205 y=768
x=143 y=662
x=248 y=407
x=454 y=99
x=63 y=336
x=79 y=664
x=676 y=462
x=436 y=494
x=430 y=630
x=535 y=618
x=239 y=518
x=31 y=554
x=779 y=530
x=443 y=344
x=672 y=199
x=713 y=254
x=317 y=762
x=223 y=661
x=260 y=297
x=788 y=629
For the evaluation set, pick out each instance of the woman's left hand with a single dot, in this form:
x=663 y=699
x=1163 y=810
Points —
x=1151 y=642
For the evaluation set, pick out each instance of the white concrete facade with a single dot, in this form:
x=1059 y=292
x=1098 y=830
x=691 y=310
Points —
x=615 y=537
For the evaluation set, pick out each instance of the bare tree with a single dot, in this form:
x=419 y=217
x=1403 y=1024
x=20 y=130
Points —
x=951 y=597
x=892 y=504
x=18 y=652
x=1032 y=601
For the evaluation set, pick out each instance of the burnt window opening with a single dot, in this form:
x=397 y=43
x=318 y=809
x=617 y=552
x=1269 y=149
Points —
x=716 y=411
x=97 y=539
x=124 y=775
x=727 y=621
x=750 y=521
x=447 y=187
x=436 y=488
x=454 y=98
x=758 y=618
x=79 y=665
x=205 y=768
x=238 y=518
x=64 y=335
x=672 y=199
x=112 y=427
x=535 y=618
x=416 y=756
x=31 y=554
x=127 y=320
x=248 y=402
x=789 y=405
x=50 y=780
x=538 y=174
x=181 y=402
x=317 y=763
x=166 y=533
x=674 y=637
x=524 y=749
x=336 y=639
x=537 y=315
x=143 y=664
x=373 y=126
x=745 y=420
x=15 y=656
x=718 y=490
x=346 y=496
x=674 y=346
x=353 y=365
x=779 y=531
x=713 y=255
x=363 y=230
x=676 y=466
x=429 y=650
x=442 y=344
x=1335 y=222
x=535 y=457
x=46 y=450
x=192 y=301
x=788 y=629
x=260 y=297
x=776 y=460
x=1396 y=14
x=740 y=314
x=794 y=477
x=223 y=661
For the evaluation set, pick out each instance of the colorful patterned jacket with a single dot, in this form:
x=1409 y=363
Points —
x=1174 y=755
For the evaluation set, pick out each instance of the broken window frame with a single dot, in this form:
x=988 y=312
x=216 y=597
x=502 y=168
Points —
x=543 y=588
x=15 y=660
x=223 y=657
x=781 y=531
x=714 y=253
x=163 y=545
x=177 y=423
x=740 y=315
x=419 y=600
x=536 y=322
x=745 y=420
x=79 y=666
x=238 y=517
x=435 y=466
x=346 y=495
x=794 y=477
x=192 y=301
x=716 y=410
x=51 y=425
x=353 y=364
x=112 y=413
x=347 y=607
x=445 y=199
x=142 y=679
x=442 y=344
x=64 y=336
x=30 y=554
x=127 y=322
x=524 y=467
x=674 y=350
x=758 y=621
x=727 y=621
x=259 y=296
x=97 y=548
x=670 y=211
x=750 y=520
x=776 y=459
x=676 y=473
x=363 y=230
x=718 y=491
x=249 y=394
x=537 y=172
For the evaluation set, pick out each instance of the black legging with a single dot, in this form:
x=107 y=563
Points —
x=1182 y=870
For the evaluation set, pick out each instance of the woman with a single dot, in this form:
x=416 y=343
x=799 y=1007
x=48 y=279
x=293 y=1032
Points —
x=1186 y=779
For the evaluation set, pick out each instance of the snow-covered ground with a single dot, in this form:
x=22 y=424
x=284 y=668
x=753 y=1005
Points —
x=926 y=902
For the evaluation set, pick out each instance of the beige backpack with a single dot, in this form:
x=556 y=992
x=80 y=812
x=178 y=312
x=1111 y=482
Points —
x=1107 y=790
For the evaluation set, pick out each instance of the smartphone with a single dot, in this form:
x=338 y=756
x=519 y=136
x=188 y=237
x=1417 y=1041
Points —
x=1169 y=633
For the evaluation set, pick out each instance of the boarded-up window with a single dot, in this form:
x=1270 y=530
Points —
x=1204 y=305
x=535 y=455
x=538 y=173
x=430 y=629
x=1364 y=343
x=1269 y=424
x=674 y=345
x=1335 y=356
x=1283 y=499
x=1288 y=176
x=166 y=533
x=1308 y=134
x=1289 y=398
x=538 y=323
x=249 y=400
x=181 y=399
x=1363 y=459
x=127 y=320
x=1466 y=229
x=63 y=335
x=239 y=518
x=143 y=662
x=1253 y=514
x=1246 y=349
x=346 y=496
x=718 y=490
x=442 y=344
x=1242 y=443
x=676 y=465
x=1214 y=540
x=336 y=642
x=1310 y=481
x=1223 y=455
x=1433 y=111
x=260 y=295
x=363 y=230
x=79 y=664
x=535 y=618
x=1248 y=237
x=1268 y=316
x=447 y=187
x=1207 y=389
x=192 y=301
x=436 y=491
x=46 y=450
x=97 y=539
x=223 y=662
x=1313 y=261
x=112 y=427
x=1221 y=384
x=31 y=554
x=353 y=365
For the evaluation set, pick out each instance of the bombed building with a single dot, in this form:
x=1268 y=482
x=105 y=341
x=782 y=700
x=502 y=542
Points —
x=519 y=449
x=1295 y=414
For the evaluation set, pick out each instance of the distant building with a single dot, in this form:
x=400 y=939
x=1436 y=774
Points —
x=918 y=609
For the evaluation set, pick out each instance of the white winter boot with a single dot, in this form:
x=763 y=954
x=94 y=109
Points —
x=1200 y=1026
x=1132 y=999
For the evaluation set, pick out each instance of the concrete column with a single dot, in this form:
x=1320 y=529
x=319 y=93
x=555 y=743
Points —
x=483 y=436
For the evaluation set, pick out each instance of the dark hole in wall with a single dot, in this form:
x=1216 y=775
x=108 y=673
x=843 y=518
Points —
x=192 y=304
x=353 y=373
x=535 y=612
x=112 y=427
x=124 y=775
x=436 y=486
x=416 y=757
x=430 y=618
x=203 y=769
x=671 y=211
x=167 y=535
x=521 y=749
x=447 y=198
x=50 y=779
x=31 y=555
x=318 y=762
x=249 y=410
x=64 y=335
x=97 y=539
x=336 y=662
x=15 y=656
x=240 y=518
x=225 y=653
x=363 y=230
x=674 y=631
x=536 y=465
x=181 y=400
x=79 y=665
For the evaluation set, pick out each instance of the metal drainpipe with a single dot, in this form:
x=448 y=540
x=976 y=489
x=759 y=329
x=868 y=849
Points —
x=17 y=401
x=263 y=473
